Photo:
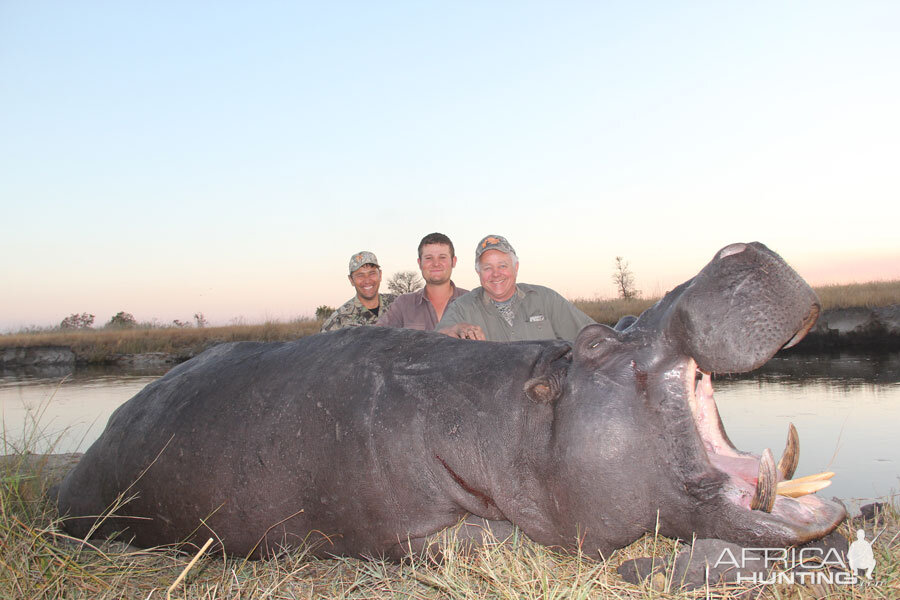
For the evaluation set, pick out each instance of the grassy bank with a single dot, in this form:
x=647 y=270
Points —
x=867 y=295
x=38 y=561
x=101 y=345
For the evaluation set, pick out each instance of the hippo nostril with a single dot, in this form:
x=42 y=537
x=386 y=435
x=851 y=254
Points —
x=808 y=323
x=732 y=249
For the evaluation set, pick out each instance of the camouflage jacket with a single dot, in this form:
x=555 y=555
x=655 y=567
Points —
x=353 y=314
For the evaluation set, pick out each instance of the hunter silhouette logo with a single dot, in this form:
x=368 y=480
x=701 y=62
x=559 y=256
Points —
x=490 y=240
x=860 y=555
x=802 y=565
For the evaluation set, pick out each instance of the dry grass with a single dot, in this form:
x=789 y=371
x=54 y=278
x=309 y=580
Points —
x=869 y=295
x=610 y=311
x=101 y=345
x=37 y=561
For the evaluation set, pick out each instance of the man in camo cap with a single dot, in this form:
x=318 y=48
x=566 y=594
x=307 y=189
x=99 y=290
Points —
x=502 y=310
x=364 y=307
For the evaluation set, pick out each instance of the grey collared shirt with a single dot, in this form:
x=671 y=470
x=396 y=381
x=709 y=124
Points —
x=540 y=314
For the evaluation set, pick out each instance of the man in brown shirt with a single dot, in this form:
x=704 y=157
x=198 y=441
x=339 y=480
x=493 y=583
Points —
x=423 y=308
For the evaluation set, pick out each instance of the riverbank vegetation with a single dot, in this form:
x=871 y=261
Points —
x=39 y=561
x=97 y=346
x=101 y=345
x=867 y=295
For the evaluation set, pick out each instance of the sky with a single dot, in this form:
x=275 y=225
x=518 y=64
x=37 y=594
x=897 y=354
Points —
x=170 y=158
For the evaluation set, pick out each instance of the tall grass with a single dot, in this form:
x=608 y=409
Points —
x=610 y=311
x=869 y=295
x=101 y=345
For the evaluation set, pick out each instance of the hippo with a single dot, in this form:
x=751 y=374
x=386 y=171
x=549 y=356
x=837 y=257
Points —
x=370 y=441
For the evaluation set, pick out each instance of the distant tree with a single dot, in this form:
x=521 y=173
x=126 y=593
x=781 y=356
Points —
x=624 y=280
x=323 y=312
x=181 y=324
x=403 y=282
x=76 y=321
x=200 y=320
x=122 y=320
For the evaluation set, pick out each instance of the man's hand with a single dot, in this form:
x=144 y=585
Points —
x=464 y=331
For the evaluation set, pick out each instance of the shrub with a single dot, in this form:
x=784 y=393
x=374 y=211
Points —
x=122 y=320
x=323 y=312
x=76 y=321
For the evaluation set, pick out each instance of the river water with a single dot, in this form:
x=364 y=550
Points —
x=845 y=407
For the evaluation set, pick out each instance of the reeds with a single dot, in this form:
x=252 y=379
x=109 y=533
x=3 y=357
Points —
x=869 y=295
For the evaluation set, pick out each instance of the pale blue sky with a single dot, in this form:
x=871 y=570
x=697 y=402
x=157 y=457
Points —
x=169 y=158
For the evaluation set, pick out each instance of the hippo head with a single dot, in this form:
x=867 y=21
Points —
x=639 y=432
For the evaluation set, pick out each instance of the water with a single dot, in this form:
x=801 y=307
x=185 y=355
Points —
x=846 y=409
x=65 y=411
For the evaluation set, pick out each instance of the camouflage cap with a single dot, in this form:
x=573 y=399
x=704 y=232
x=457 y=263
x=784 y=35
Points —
x=492 y=242
x=362 y=258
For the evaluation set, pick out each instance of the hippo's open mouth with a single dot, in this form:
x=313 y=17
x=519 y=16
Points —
x=755 y=481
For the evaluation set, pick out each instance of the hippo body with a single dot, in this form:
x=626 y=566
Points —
x=368 y=441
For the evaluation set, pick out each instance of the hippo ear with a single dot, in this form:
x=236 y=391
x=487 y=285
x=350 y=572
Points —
x=594 y=341
x=545 y=389
x=549 y=372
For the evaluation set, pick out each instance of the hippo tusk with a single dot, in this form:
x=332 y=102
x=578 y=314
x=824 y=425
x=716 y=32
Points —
x=764 y=498
x=804 y=485
x=792 y=489
x=788 y=463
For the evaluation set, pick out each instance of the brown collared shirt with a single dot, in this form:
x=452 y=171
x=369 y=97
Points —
x=415 y=311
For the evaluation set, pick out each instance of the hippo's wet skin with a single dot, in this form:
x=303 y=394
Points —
x=371 y=440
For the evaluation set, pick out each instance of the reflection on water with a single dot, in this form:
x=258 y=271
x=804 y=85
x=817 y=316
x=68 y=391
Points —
x=48 y=411
x=837 y=369
x=845 y=407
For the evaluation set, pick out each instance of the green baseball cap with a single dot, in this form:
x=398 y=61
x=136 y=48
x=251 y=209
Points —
x=362 y=258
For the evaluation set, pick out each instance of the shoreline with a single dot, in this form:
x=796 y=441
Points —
x=857 y=329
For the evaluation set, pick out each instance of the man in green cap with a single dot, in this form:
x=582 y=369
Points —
x=365 y=306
